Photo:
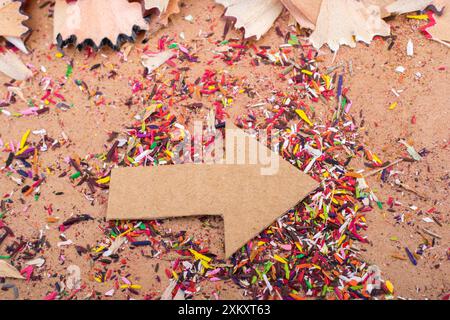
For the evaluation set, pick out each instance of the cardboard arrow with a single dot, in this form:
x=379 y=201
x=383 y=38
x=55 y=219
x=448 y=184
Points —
x=247 y=200
x=96 y=21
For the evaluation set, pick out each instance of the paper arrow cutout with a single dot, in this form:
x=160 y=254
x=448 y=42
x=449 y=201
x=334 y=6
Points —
x=11 y=19
x=248 y=201
x=97 y=22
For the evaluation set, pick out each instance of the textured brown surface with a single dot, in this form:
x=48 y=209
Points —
x=370 y=85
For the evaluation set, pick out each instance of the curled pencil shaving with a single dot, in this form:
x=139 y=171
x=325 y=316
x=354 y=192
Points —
x=12 y=26
x=362 y=23
x=11 y=19
x=256 y=17
x=77 y=22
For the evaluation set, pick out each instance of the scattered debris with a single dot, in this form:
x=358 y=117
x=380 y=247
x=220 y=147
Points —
x=255 y=16
x=412 y=152
x=400 y=69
